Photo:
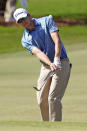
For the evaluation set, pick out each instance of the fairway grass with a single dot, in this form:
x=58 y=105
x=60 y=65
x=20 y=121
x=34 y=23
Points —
x=42 y=126
x=18 y=74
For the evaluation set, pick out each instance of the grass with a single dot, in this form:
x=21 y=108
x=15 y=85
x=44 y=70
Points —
x=58 y=8
x=10 y=38
x=18 y=106
x=25 y=126
x=18 y=73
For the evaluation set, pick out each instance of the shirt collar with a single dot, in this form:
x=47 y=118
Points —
x=36 y=22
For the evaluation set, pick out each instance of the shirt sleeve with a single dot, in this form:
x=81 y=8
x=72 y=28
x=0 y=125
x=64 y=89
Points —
x=52 y=25
x=28 y=44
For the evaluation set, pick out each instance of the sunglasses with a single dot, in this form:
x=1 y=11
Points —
x=21 y=20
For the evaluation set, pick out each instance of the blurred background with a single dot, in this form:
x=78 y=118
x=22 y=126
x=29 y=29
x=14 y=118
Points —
x=7 y=7
x=19 y=70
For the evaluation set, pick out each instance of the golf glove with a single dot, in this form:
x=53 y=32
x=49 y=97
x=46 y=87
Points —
x=57 y=62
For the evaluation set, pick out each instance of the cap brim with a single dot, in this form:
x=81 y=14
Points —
x=21 y=16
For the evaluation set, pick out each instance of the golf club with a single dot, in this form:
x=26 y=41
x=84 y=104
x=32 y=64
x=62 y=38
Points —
x=45 y=81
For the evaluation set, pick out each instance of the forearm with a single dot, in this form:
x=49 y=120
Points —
x=57 y=48
x=56 y=38
x=41 y=56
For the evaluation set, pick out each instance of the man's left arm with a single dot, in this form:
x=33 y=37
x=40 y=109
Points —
x=56 y=38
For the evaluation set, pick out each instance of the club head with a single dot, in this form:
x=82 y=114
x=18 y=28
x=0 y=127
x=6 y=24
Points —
x=36 y=88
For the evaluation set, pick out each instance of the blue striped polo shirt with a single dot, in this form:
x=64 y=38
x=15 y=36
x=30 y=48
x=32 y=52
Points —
x=40 y=37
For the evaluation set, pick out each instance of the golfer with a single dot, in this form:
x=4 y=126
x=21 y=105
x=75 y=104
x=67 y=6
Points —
x=41 y=38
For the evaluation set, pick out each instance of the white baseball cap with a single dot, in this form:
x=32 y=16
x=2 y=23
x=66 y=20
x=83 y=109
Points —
x=20 y=13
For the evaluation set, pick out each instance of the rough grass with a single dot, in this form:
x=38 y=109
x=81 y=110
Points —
x=10 y=37
x=58 y=8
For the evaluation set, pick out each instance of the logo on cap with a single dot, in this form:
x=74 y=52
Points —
x=18 y=14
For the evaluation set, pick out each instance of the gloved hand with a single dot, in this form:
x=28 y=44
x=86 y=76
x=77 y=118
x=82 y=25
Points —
x=57 y=62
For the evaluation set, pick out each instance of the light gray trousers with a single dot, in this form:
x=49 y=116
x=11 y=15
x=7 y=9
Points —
x=10 y=7
x=49 y=98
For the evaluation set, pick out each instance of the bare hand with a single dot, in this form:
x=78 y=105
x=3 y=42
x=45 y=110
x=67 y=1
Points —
x=53 y=67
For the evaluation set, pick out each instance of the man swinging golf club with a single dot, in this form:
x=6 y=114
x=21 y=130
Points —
x=41 y=38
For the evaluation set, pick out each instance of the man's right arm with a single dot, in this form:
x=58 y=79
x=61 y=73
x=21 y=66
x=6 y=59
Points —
x=41 y=56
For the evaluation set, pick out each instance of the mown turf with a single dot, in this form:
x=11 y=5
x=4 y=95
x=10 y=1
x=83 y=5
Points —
x=19 y=72
x=41 y=126
x=58 y=8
